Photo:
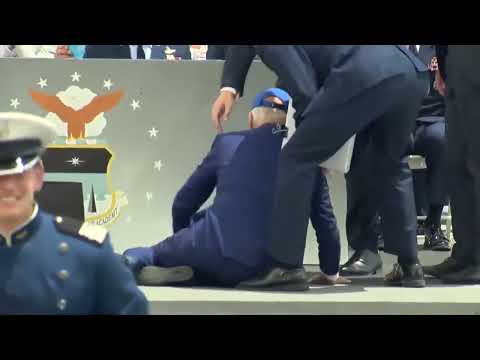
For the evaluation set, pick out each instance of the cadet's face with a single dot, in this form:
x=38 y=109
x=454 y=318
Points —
x=17 y=194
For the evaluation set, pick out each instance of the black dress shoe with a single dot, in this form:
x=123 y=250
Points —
x=436 y=240
x=469 y=275
x=448 y=266
x=278 y=279
x=159 y=276
x=362 y=263
x=410 y=275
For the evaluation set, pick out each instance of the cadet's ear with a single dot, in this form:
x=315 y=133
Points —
x=38 y=173
x=250 y=120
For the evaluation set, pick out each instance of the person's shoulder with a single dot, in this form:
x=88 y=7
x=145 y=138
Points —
x=234 y=134
x=230 y=139
x=79 y=232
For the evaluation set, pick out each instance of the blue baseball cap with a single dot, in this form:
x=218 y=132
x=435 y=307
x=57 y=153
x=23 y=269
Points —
x=261 y=99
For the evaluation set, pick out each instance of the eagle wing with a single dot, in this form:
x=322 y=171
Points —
x=99 y=104
x=52 y=103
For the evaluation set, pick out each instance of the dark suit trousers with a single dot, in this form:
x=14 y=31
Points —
x=325 y=225
x=463 y=129
x=210 y=267
x=430 y=183
x=379 y=112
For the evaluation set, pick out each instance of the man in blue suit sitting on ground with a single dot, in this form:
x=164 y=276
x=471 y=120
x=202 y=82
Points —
x=224 y=244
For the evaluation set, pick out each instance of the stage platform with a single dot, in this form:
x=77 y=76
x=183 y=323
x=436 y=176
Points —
x=363 y=297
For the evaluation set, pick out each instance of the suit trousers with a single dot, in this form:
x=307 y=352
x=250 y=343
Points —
x=386 y=113
x=210 y=266
x=463 y=149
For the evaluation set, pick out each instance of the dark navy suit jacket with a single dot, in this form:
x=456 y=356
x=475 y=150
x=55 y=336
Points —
x=241 y=167
x=304 y=69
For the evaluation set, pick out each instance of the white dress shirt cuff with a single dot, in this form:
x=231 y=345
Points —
x=229 y=89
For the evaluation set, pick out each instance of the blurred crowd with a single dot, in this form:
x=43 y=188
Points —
x=153 y=52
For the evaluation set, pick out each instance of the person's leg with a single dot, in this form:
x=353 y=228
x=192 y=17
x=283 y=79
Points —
x=209 y=265
x=141 y=261
x=360 y=210
x=466 y=96
x=419 y=181
x=421 y=200
x=393 y=180
x=460 y=187
x=464 y=174
x=325 y=128
x=461 y=184
x=361 y=213
x=325 y=225
x=174 y=260
x=139 y=257
x=430 y=142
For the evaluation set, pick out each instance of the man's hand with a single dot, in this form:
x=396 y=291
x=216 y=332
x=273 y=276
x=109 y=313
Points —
x=439 y=84
x=63 y=52
x=222 y=108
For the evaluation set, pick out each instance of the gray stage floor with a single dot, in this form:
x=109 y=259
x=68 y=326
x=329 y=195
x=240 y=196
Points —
x=364 y=296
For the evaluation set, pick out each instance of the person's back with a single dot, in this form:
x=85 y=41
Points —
x=244 y=195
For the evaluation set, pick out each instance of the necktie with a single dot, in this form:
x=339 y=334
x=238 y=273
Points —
x=140 y=52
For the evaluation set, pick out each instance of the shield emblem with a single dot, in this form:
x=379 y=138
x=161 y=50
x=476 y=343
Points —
x=79 y=183
x=77 y=180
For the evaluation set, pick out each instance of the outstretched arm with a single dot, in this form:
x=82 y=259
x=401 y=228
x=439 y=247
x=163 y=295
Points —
x=195 y=191
x=235 y=70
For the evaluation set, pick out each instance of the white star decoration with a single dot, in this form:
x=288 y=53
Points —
x=149 y=196
x=76 y=77
x=107 y=84
x=42 y=83
x=75 y=161
x=153 y=132
x=158 y=165
x=135 y=104
x=14 y=103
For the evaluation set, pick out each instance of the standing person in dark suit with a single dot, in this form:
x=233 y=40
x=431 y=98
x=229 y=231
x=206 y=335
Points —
x=428 y=140
x=333 y=88
x=321 y=215
x=459 y=69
